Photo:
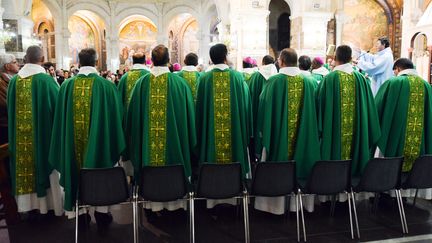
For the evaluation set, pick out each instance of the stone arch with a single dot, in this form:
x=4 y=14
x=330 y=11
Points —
x=135 y=10
x=176 y=10
x=136 y=33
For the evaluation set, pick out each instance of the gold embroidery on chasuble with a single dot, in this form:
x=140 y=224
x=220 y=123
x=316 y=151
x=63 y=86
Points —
x=131 y=79
x=82 y=94
x=222 y=116
x=157 y=123
x=25 y=167
x=347 y=104
x=191 y=79
x=414 y=126
x=295 y=103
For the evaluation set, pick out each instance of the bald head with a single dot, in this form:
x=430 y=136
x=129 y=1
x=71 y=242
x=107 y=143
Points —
x=139 y=58
x=34 y=54
x=160 y=55
x=288 y=58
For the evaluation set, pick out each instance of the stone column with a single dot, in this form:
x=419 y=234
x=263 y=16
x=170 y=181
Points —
x=2 y=48
x=315 y=25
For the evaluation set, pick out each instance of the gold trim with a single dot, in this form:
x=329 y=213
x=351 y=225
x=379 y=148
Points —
x=191 y=78
x=82 y=94
x=131 y=80
x=25 y=166
x=295 y=86
x=222 y=116
x=347 y=102
x=414 y=125
x=157 y=123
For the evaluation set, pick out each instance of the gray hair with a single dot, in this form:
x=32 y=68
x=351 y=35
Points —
x=5 y=59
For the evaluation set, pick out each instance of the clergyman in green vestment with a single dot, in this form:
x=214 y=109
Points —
x=288 y=123
x=31 y=100
x=161 y=121
x=125 y=87
x=190 y=72
x=87 y=130
x=304 y=64
x=249 y=68
x=318 y=70
x=347 y=116
x=223 y=114
x=405 y=113
x=256 y=85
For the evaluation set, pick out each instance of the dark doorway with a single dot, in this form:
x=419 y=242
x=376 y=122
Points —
x=279 y=26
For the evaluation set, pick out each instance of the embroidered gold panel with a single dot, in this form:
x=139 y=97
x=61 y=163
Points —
x=82 y=94
x=222 y=116
x=191 y=79
x=295 y=103
x=132 y=78
x=157 y=118
x=25 y=166
x=414 y=126
x=347 y=96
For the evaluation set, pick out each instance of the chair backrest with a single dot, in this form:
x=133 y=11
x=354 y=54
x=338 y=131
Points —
x=163 y=183
x=381 y=174
x=219 y=181
x=329 y=177
x=103 y=187
x=420 y=175
x=273 y=179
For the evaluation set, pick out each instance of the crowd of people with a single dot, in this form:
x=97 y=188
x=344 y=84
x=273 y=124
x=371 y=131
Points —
x=292 y=108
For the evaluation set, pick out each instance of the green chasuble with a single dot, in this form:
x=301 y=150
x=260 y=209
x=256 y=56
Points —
x=256 y=86
x=127 y=83
x=87 y=130
x=247 y=77
x=405 y=113
x=125 y=87
x=192 y=80
x=224 y=122
x=318 y=77
x=161 y=122
x=347 y=119
x=288 y=123
x=31 y=103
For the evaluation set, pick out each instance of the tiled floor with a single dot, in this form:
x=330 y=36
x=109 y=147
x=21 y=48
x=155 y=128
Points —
x=223 y=224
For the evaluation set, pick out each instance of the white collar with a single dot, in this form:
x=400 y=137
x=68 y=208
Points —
x=306 y=73
x=221 y=66
x=250 y=70
x=346 y=68
x=267 y=70
x=386 y=50
x=30 y=69
x=408 y=72
x=290 y=71
x=87 y=70
x=159 y=70
x=321 y=70
x=139 y=66
x=189 y=68
x=209 y=68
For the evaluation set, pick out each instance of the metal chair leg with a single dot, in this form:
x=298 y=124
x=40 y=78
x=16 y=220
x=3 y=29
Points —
x=333 y=205
x=246 y=216
x=76 y=220
x=191 y=218
x=297 y=216
x=355 y=213
x=400 y=212
x=403 y=211
x=415 y=197
x=350 y=215
x=135 y=215
x=302 y=216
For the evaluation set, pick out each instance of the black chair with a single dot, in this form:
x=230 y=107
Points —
x=162 y=184
x=382 y=175
x=221 y=181
x=330 y=178
x=419 y=176
x=275 y=179
x=100 y=187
